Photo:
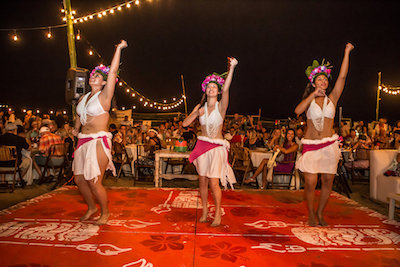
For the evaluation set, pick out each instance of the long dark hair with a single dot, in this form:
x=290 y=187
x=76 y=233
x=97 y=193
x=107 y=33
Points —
x=204 y=98
x=286 y=140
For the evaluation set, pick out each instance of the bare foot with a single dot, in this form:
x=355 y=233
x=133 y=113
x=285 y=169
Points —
x=217 y=220
x=88 y=214
x=321 y=220
x=103 y=219
x=204 y=216
x=311 y=220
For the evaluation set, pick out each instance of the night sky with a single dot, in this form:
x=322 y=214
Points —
x=274 y=42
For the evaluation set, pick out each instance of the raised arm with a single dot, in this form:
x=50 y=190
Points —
x=306 y=101
x=341 y=80
x=108 y=92
x=192 y=116
x=232 y=62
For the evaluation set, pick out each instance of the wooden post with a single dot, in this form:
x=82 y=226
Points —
x=184 y=94
x=378 y=95
x=70 y=34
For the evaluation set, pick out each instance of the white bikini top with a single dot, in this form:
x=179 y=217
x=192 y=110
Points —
x=212 y=121
x=92 y=108
x=317 y=115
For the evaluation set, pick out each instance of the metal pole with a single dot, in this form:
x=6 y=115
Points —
x=378 y=95
x=184 y=94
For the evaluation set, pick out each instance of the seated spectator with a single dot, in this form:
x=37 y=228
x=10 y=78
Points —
x=253 y=139
x=28 y=119
x=47 y=139
x=288 y=149
x=121 y=136
x=33 y=134
x=229 y=135
x=126 y=122
x=395 y=144
x=10 y=138
x=352 y=139
x=381 y=141
x=276 y=139
x=59 y=120
x=362 y=148
x=239 y=138
x=396 y=126
x=153 y=143
x=112 y=128
x=46 y=120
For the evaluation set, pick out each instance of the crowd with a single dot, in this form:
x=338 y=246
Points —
x=33 y=135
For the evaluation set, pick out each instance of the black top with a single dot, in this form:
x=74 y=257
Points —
x=19 y=142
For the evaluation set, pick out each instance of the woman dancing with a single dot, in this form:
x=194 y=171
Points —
x=320 y=147
x=210 y=155
x=93 y=152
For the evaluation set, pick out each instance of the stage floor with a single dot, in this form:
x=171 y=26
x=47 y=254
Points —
x=159 y=227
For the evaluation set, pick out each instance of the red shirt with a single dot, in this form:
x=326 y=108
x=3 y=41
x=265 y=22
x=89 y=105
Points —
x=47 y=140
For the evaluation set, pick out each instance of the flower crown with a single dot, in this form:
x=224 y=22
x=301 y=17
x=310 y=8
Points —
x=316 y=69
x=103 y=70
x=218 y=79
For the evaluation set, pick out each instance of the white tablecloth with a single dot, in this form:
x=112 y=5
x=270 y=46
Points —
x=132 y=150
x=258 y=155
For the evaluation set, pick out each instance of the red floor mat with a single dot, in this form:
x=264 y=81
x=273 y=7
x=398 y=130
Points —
x=158 y=227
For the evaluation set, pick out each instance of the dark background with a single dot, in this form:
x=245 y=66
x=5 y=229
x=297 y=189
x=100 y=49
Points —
x=274 y=42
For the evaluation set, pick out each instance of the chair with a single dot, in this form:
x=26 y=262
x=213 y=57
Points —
x=291 y=173
x=8 y=156
x=242 y=162
x=56 y=160
x=120 y=158
x=361 y=154
x=175 y=162
x=144 y=163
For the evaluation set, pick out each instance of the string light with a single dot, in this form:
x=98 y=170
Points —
x=49 y=34
x=78 y=36
x=15 y=36
x=391 y=90
x=104 y=12
x=146 y=102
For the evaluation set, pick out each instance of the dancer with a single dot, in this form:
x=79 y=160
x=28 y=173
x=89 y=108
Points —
x=93 y=152
x=320 y=147
x=210 y=155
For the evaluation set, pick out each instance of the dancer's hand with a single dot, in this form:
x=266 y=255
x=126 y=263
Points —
x=319 y=92
x=75 y=132
x=232 y=62
x=122 y=44
x=349 y=47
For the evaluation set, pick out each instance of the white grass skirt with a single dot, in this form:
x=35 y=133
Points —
x=324 y=160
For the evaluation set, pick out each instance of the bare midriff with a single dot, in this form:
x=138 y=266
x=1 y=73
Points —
x=96 y=124
x=204 y=132
x=313 y=134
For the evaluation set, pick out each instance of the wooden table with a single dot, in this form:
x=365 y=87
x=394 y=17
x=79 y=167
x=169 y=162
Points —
x=158 y=173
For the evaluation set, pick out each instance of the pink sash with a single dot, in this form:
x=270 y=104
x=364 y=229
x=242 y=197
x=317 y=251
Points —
x=201 y=148
x=82 y=141
x=312 y=147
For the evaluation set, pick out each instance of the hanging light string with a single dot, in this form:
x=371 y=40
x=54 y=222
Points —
x=145 y=101
x=99 y=14
x=391 y=90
